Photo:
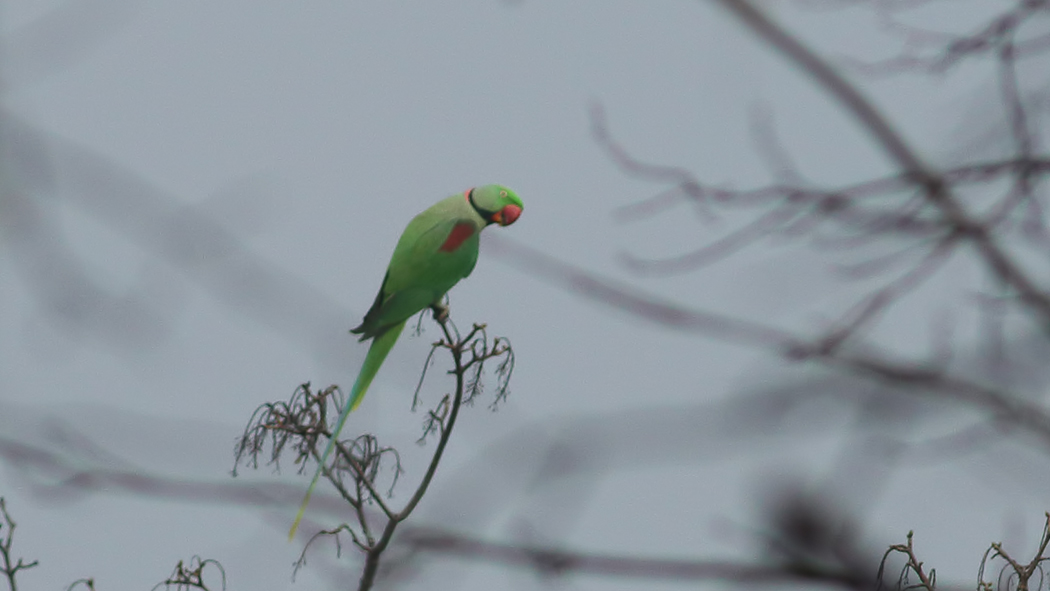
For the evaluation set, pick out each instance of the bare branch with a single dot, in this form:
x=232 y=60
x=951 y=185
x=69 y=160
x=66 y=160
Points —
x=1017 y=575
x=186 y=577
x=9 y=566
x=912 y=565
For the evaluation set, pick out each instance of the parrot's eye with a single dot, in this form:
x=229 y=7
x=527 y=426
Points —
x=502 y=193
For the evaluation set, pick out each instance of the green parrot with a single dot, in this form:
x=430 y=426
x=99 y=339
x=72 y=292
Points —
x=437 y=249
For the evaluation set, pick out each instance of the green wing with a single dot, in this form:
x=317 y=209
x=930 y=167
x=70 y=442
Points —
x=420 y=272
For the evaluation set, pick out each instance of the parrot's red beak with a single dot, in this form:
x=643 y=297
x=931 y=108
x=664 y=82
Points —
x=507 y=215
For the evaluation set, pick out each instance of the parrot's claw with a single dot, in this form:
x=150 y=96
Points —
x=440 y=311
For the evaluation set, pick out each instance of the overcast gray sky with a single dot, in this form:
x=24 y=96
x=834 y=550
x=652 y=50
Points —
x=227 y=181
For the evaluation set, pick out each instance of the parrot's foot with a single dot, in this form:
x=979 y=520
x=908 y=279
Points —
x=440 y=311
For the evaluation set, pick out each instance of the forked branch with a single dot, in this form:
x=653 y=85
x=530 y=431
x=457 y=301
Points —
x=357 y=470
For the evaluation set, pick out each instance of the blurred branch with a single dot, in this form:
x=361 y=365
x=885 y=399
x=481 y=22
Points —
x=936 y=51
x=917 y=206
x=802 y=552
x=847 y=94
x=1007 y=409
x=42 y=171
x=936 y=190
x=636 y=302
x=61 y=474
x=61 y=38
x=553 y=562
x=807 y=542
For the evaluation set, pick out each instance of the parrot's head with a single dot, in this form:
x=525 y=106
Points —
x=496 y=203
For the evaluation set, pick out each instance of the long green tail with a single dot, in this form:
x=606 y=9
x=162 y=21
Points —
x=381 y=345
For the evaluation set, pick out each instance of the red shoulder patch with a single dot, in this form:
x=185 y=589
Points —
x=459 y=233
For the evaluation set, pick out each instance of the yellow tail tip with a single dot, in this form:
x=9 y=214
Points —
x=299 y=517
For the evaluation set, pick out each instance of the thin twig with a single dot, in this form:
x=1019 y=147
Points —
x=912 y=564
x=10 y=566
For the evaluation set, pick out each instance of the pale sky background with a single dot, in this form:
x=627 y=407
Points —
x=302 y=138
